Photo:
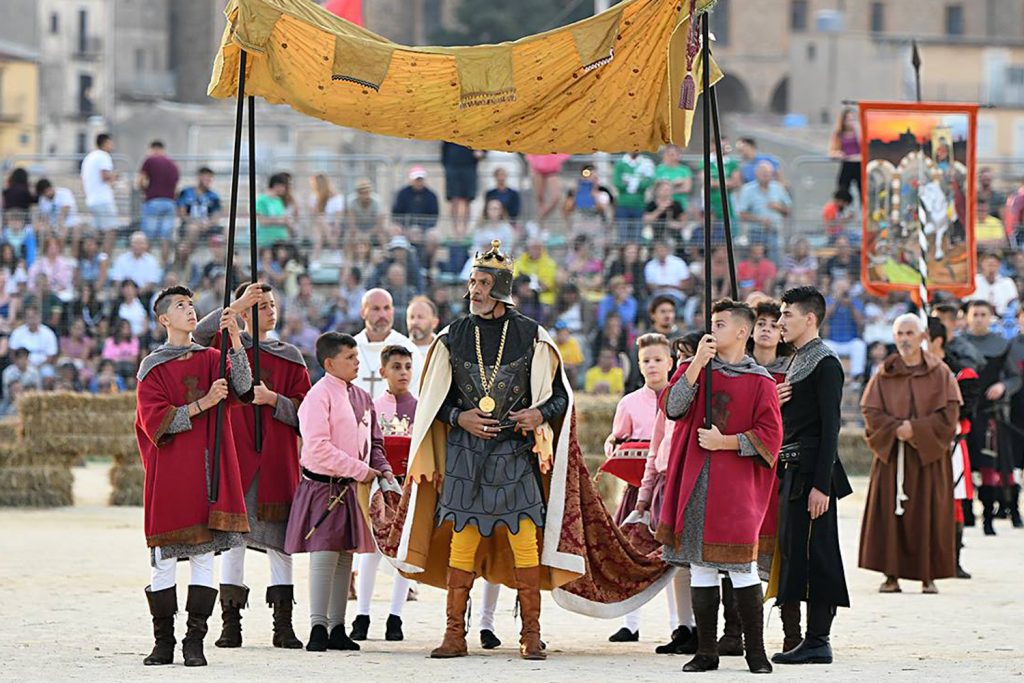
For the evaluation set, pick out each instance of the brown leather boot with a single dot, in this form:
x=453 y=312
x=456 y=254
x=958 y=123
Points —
x=232 y=600
x=281 y=598
x=750 y=606
x=705 y=613
x=528 y=585
x=454 y=644
x=731 y=642
x=792 y=634
x=162 y=607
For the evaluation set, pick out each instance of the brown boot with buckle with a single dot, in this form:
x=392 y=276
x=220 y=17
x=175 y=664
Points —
x=528 y=585
x=454 y=644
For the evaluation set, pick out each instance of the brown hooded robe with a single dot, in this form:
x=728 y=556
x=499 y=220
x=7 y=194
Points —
x=917 y=545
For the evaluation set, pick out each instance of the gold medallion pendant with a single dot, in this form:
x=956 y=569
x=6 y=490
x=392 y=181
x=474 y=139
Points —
x=486 y=404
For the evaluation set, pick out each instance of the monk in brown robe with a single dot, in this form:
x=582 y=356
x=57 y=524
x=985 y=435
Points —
x=910 y=412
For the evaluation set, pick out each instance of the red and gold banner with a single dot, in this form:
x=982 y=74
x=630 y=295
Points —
x=917 y=174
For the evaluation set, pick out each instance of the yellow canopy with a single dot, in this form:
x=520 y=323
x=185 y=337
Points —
x=608 y=83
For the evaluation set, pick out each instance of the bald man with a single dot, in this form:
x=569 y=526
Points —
x=378 y=314
x=421 y=320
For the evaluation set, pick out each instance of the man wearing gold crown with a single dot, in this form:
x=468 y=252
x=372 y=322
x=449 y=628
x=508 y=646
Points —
x=496 y=485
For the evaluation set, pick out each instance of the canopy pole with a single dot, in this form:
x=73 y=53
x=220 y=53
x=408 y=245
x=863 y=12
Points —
x=706 y=111
x=723 y=194
x=253 y=269
x=213 y=483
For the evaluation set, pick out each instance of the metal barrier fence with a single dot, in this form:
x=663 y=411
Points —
x=810 y=180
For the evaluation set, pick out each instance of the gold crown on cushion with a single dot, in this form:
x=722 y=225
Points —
x=494 y=259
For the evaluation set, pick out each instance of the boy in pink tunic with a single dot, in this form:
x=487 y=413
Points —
x=634 y=422
x=341 y=445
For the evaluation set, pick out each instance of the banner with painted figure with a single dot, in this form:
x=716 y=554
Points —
x=917 y=175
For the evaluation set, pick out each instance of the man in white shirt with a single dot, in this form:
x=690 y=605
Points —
x=58 y=210
x=98 y=178
x=990 y=286
x=138 y=265
x=667 y=274
x=38 y=339
x=378 y=314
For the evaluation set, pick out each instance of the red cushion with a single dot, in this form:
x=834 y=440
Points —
x=396 y=448
x=628 y=462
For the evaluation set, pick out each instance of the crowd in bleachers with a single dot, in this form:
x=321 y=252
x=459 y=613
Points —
x=599 y=259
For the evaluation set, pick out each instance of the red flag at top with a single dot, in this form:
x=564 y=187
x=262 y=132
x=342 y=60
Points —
x=352 y=10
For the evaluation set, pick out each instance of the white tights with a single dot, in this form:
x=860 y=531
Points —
x=680 y=608
x=488 y=604
x=163 y=571
x=707 y=577
x=368 y=564
x=232 y=567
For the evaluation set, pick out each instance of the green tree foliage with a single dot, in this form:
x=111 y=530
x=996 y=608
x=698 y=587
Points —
x=495 y=21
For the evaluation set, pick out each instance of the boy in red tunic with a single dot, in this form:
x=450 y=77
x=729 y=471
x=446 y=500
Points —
x=179 y=388
x=718 y=484
x=270 y=475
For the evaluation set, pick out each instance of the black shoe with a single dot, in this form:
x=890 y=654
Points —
x=317 y=639
x=701 y=663
x=360 y=627
x=684 y=642
x=393 y=628
x=988 y=527
x=961 y=573
x=339 y=640
x=807 y=652
x=488 y=640
x=624 y=635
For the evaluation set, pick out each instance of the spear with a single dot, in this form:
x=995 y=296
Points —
x=213 y=481
x=706 y=110
x=257 y=412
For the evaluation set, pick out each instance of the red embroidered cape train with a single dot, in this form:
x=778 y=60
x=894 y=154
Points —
x=588 y=564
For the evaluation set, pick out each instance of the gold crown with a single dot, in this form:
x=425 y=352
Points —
x=494 y=259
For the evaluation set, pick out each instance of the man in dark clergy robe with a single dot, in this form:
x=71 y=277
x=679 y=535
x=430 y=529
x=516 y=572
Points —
x=270 y=474
x=179 y=387
x=718 y=483
x=910 y=408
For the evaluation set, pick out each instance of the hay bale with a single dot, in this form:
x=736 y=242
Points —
x=10 y=430
x=128 y=482
x=77 y=425
x=35 y=486
x=594 y=415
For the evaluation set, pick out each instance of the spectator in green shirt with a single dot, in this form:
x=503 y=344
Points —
x=273 y=224
x=676 y=173
x=733 y=181
x=633 y=174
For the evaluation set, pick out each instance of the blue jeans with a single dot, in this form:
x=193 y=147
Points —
x=630 y=222
x=159 y=218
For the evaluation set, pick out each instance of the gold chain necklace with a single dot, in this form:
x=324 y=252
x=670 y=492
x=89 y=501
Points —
x=486 y=403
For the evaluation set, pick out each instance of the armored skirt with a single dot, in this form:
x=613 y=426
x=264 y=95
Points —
x=487 y=483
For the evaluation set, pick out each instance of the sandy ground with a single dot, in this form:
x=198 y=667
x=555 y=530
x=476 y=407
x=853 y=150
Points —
x=72 y=609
